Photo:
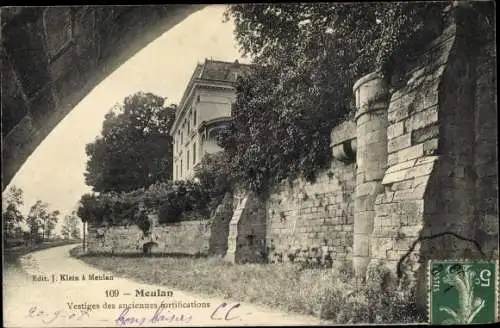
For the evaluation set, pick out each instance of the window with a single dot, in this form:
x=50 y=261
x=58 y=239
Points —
x=189 y=130
x=180 y=173
x=176 y=171
x=194 y=117
x=187 y=160
x=194 y=153
x=182 y=138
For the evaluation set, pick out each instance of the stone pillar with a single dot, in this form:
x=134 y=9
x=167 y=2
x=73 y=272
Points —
x=371 y=94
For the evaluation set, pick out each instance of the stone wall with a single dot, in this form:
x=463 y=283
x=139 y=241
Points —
x=412 y=143
x=220 y=226
x=187 y=237
x=439 y=198
x=312 y=220
x=247 y=229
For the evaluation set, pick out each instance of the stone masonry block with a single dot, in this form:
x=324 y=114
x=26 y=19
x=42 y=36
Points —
x=401 y=142
x=395 y=130
x=361 y=245
x=402 y=185
x=392 y=159
x=401 y=166
x=367 y=188
x=373 y=124
x=417 y=193
x=370 y=136
x=363 y=222
x=424 y=118
x=420 y=181
x=410 y=153
x=383 y=209
x=410 y=173
x=397 y=113
x=416 y=99
x=364 y=203
x=377 y=174
x=426 y=159
x=425 y=133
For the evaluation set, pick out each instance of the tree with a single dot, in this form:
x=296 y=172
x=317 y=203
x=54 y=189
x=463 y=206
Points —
x=307 y=56
x=12 y=216
x=91 y=209
x=70 y=227
x=37 y=220
x=135 y=149
x=50 y=223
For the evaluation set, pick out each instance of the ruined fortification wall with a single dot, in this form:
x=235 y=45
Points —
x=220 y=226
x=440 y=192
x=312 y=219
x=412 y=144
x=247 y=229
x=187 y=237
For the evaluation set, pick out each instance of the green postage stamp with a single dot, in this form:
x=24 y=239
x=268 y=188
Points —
x=463 y=292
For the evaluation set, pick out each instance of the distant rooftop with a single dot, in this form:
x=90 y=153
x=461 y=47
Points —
x=218 y=70
x=211 y=70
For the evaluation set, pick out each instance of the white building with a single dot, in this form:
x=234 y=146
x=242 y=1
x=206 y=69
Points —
x=205 y=107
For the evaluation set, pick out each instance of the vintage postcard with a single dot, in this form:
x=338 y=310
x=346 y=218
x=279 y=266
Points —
x=250 y=164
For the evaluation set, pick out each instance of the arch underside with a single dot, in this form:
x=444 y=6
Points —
x=53 y=57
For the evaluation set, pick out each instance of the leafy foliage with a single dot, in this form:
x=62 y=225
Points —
x=135 y=149
x=377 y=301
x=70 y=227
x=172 y=201
x=41 y=221
x=307 y=56
x=11 y=215
x=214 y=177
x=179 y=200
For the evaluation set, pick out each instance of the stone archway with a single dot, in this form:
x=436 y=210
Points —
x=52 y=57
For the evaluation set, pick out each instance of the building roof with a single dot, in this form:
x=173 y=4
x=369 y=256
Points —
x=220 y=72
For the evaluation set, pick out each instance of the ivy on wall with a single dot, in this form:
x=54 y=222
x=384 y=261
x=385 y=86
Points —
x=307 y=57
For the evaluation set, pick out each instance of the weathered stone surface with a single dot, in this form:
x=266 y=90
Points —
x=410 y=153
x=409 y=173
x=400 y=142
x=425 y=133
x=55 y=55
x=343 y=132
x=220 y=227
x=188 y=237
x=310 y=215
x=395 y=130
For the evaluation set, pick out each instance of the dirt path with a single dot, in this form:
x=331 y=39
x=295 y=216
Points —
x=29 y=303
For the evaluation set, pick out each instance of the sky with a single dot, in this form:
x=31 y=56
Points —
x=54 y=172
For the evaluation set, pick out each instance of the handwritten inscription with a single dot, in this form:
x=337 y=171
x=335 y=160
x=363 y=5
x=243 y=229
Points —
x=223 y=312
x=128 y=315
x=47 y=317
x=160 y=315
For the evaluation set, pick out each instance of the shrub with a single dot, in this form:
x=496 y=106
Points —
x=172 y=201
x=179 y=200
x=377 y=301
x=214 y=176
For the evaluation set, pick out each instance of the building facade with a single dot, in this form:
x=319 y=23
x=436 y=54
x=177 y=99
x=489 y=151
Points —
x=204 y=109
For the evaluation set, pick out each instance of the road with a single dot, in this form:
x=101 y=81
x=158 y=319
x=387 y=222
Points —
x=83 y=303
